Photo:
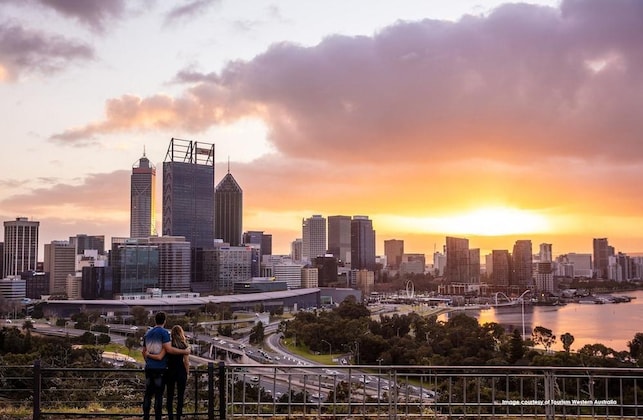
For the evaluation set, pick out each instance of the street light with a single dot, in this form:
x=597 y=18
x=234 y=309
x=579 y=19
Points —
x=330 y=348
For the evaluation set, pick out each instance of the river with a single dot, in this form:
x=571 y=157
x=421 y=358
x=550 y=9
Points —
x=611 y=324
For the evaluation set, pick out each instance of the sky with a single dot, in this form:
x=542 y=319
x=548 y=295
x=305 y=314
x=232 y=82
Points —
x=475 y=119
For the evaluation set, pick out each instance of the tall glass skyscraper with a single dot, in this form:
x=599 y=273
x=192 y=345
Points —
x=339 y=237
x=228 y=215
x=313 y=231
x=143 y=199
x=188 y=192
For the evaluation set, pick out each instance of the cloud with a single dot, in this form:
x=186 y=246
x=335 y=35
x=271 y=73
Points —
x=24 y=50
x=96 y=14
x=187 y=11
x=522 y=83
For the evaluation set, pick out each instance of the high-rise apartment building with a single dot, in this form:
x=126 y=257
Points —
x=59 y=262
x=339 y=237
x=394 y=250
x=188 y=192
x=228 y=215
x=362 y=243
x=20 y=246
x=602 y=253
x=522 y=268
x=313 y=232
x=143 y=199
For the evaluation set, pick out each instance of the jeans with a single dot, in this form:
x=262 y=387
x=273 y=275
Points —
x=179 y=378
x=154 y=387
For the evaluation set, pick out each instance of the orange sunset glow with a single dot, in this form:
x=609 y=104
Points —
x=494 y=122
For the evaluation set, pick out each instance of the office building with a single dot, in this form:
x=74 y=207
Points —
x=174 y=263
x=412 y=264
x=143 y=199
x=602 y=253
x=13 y=288
x=545 y=254
x=544 y=277
x=264 y=240
x=522 y=269
x=362 y=243
x=83 y=242
x=313 y=232
x=457 y=265
x=228 y=215
x=394 y=250
x=59 y=262
x=500 y=275
x=309 y=278
x=135 y=266
x=223 y=266
x=188 y=192
x=339 y=238
x=37 y=284
x=97 y=283
x=20 y=246
x=326 y=270
x=296 y=250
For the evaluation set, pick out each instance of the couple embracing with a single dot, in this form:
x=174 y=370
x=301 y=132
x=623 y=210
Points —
x=166 y=364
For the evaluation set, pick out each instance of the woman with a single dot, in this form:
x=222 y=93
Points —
x=178 y=367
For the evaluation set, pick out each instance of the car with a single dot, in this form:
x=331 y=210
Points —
x=133 y=328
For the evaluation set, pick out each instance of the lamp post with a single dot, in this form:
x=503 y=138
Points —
x=330 y=348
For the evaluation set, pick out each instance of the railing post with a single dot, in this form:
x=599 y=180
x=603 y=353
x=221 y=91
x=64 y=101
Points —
x=222 y=390
x=549 y=381
x=37 y=387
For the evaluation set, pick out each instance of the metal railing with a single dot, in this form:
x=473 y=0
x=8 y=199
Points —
x=324 y=391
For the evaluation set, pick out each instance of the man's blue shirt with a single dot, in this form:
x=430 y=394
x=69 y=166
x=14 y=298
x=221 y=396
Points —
x=153 y=342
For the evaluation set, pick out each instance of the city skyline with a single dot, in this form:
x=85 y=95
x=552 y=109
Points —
x=513 y=122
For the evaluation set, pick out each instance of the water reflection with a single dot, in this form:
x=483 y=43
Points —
x=611 y=324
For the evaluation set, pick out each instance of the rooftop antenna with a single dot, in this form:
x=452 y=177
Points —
x=228 y=164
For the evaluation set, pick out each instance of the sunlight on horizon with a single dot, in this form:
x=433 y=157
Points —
x=490 y=221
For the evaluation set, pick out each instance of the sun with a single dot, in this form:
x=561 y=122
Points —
x=487 y=221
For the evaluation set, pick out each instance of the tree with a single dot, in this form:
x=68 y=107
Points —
x=257 y=333
x=516 y=347
x=567 y=339
x=544 y=336
x=130 y=343
x=140 y=315
x=636 y=347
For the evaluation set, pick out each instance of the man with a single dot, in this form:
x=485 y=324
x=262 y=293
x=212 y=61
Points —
x=156 y=341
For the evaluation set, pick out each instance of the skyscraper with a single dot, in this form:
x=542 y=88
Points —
x=188 y=192
x=458 y=260
x=20 y=246
x=601 y=257
x=228 y=215
x=143 y=199
x=313 y=232
x=522 y=275
x=339 y=237
x=501 y=274
x=362 y=243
